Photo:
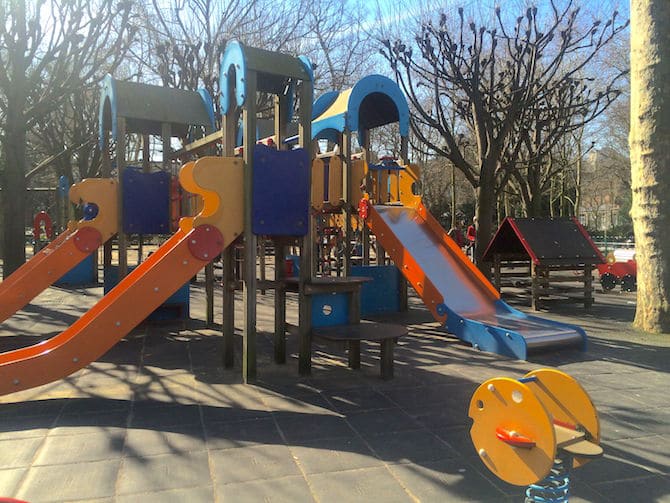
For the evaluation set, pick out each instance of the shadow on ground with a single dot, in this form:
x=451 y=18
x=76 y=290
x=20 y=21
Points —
x=162 y=391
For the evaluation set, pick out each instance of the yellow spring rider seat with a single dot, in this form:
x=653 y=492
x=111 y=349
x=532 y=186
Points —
x=531 y=431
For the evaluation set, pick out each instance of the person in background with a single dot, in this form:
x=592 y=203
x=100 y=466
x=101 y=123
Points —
x=456 y=233
x=471 y=235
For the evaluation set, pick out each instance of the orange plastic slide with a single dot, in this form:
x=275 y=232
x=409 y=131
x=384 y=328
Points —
x=219 y=181
x=17 y=275
x=67 y=250
x=41 y=271
x=116 y=314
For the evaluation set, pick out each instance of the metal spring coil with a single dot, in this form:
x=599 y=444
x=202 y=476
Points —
x=554 y=488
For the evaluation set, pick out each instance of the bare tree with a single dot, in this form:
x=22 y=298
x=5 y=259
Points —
x=72 y=129
x=188 y=37
x=48 y=50
x=548 y=122
x=337 y=44
x=496 y=79
x=566 y=187
x=650 y=157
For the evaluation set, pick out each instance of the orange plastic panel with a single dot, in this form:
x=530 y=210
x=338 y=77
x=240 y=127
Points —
x=504 y=404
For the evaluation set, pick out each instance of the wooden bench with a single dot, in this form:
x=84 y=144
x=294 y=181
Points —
x=384 y=333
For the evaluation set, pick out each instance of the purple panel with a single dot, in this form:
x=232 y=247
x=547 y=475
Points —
x=280 y=192
x=146 y=202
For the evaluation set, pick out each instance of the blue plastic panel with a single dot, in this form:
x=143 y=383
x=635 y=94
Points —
x=81 y=274
x=382 y=294
x=280 y=192
x=330 y=309
x=146 y=202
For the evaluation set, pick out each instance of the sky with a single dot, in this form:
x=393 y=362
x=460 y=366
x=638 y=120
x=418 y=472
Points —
x=397 y=18
x=393 y=9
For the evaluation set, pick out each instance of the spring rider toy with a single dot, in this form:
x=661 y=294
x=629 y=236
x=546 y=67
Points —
x=532 y=431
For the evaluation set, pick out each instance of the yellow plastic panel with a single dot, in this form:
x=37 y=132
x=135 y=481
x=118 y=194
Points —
x=102 y=192
x=567 y=402
x=188 y=184
x=337 y=220
x=355 y=222
x=318 y=181
x=409 y=178
x=219 y=181
x=335 y=175
x=511 y=405
x=197 y=204
x=394 y=182
x=339 y=106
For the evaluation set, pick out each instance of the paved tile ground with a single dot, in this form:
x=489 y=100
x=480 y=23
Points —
x=157 y=419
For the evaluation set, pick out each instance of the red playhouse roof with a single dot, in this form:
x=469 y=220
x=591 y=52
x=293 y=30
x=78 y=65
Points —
x=545 y=241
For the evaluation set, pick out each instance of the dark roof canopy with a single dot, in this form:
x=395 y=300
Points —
x=545 y=241
x=145 y=108
x=273 y=71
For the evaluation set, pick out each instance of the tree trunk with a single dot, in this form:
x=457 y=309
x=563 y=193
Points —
x=454 y=220
x=14 y=149
x=650 y=158
x=534 y=206
x=508 y=206
x=14 y=200
x=578 y=180
x=500 y=208
x=485 y=212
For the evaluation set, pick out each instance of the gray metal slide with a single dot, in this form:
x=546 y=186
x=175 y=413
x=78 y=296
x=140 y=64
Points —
x=456 y=292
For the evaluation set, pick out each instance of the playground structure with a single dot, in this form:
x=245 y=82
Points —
x=226 y=185
x=456 y=293
x=268 y=192
x=534 y=430
x=553 y=253
x=150 y=203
